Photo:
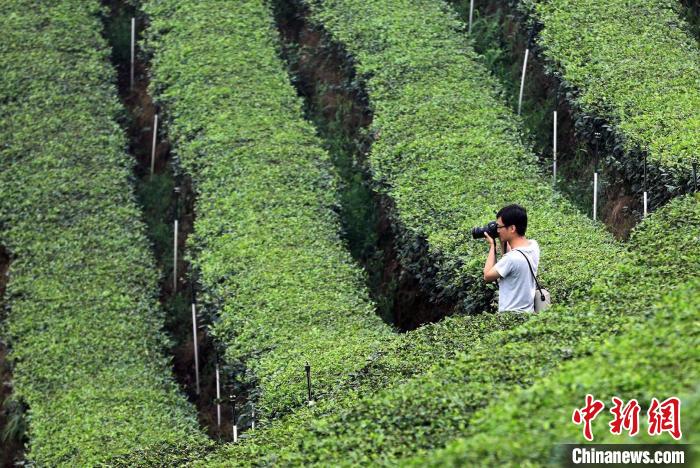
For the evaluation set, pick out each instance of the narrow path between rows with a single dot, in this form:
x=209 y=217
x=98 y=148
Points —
x=165 y=196
x=339 y=108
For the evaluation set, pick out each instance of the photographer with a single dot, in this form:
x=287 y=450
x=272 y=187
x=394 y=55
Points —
x=516 y=282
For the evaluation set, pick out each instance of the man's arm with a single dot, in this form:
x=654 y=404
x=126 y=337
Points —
x=490 y=272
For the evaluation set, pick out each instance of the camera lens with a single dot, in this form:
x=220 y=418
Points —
x=491 y=228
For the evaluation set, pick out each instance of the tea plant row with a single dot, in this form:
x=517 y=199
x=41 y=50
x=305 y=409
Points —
x=394 y=418
x=448 y=151
x=84 y=324
x=656 y=358
x=634 y=64
x=275 y=276
x=425 y=409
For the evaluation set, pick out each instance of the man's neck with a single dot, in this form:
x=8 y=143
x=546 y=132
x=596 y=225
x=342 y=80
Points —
x=519 y=242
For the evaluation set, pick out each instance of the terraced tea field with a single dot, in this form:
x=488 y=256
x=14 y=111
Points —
x=239 y=233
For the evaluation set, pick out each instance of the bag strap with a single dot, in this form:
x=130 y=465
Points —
x=537 y=283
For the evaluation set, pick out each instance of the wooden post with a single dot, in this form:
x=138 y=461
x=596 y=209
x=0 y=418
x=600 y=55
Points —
x=196 y=350
x=554 y=151
x=308 y=382
x=522 y=82
x=133 y=52
x=471 y=15
x=175 y=259
x=596 y=135
x=153 y=148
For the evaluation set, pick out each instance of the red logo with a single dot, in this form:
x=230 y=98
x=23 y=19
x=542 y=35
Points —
x=587 y=414
x=662 y=417
x=626 y=417
x=665 y=417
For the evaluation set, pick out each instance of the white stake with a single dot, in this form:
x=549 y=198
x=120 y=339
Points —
x=645 y=181
x=218 y=398
x=645 y=204
x=196 y=351
x=153 y=148
x=252 y=426
x=133 y=52
x=232 y=400
x=471 y=15
x=595 y=196
x=522 y=82
x=554 y=151
x=175 y=259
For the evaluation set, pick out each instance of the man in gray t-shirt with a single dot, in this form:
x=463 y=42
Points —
x=515 y=281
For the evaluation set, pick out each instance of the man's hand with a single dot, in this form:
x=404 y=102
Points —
x=490 y=272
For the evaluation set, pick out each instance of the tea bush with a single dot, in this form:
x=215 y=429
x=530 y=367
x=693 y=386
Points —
x=275 y=275
x=83 y=324
x=448 y=151
x=632 y=63
x=658 y=357
x=387 y=423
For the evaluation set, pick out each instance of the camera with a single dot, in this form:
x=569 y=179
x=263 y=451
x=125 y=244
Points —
x=491 y=228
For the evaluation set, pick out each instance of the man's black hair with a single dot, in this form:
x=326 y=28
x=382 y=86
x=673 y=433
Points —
x=514 y=215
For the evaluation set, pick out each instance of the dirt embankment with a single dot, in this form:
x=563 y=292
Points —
x=325 y=79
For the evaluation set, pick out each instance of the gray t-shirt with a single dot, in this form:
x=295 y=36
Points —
x=516 y=288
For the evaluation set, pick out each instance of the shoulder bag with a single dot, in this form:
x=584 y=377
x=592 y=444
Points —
x=543 y=300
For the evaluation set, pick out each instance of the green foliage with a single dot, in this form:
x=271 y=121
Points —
x=276 y=278
x=117 y=31
x=411 y=354
x=177 y=453
x=500 y=34
x=632 y=63
x=500 y=45
x=359 y=209
x=416 y=73
x=448 y=152
x=15 y=423
x=658 y=357
x=382 y=424
x=84 y=324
